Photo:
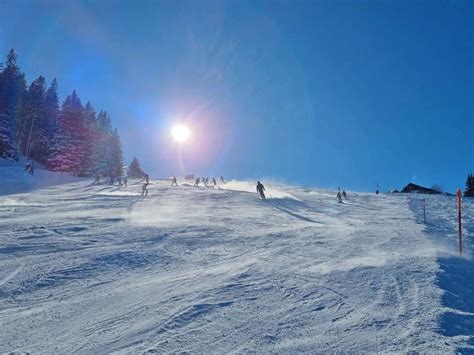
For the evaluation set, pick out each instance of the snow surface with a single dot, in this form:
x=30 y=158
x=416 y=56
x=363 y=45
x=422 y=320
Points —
x=100 y=269
x=14 y=178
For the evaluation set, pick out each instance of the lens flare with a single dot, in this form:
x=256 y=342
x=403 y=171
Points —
x=180 y=133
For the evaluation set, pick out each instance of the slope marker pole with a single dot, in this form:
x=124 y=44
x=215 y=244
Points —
x=424 y=210
x=459 y=221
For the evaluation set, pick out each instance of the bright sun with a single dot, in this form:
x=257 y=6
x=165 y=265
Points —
x=180 y=133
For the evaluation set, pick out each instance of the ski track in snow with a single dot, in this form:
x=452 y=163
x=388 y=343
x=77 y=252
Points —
x=98 y=269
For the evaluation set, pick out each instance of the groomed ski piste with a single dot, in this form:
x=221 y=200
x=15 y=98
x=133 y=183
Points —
x=100 y=269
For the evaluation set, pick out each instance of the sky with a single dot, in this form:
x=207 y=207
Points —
x=315 y=93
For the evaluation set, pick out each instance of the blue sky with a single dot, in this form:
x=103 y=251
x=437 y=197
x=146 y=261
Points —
x=318 y=93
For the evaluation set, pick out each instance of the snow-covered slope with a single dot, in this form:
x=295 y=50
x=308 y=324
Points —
x=14 y=178
x=98 y=269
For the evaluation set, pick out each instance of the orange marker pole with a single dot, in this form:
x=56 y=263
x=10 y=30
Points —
x=459 y=221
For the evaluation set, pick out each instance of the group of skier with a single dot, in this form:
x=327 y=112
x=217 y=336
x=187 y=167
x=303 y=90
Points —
x=341 y=195
x=121 y=183
x=205 y=181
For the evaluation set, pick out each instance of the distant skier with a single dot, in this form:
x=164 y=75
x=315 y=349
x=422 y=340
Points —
x=29 y=167
x=222 y=179
x=214 y=182
x=174 y=181
x=147 y=179
x=260 y=190
x=377 y=191
x=344 y=194
x=32 y=168
x=196 y=183
x=339 y=196
x=97 y=179
x=145 y=189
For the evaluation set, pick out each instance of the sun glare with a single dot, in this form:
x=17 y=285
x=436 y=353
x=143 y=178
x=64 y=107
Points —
x=180 y=133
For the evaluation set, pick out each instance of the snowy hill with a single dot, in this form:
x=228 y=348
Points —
x=15 y=179
x=98 y=269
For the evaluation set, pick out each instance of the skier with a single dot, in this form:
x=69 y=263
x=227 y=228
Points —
x=147 y=179
x=377 y=191
x=214 y=182
x=125 y=182
x=32 y=168
x=344 y=194
x=205 y=180
x=174 y=181
x=260 y=190
x=145 y=189
x=339 y=196
x=196 y=183
x=222 y=179
x=97 y=179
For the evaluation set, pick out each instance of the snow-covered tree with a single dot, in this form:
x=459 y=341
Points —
x=90 y=139
x=31 y=122
x=134 y=169
x=51 y=113
x=469 y=191
x=12 y=89
x=7 y=138
x=69 y=151
x=68 y=139
x=102 y=148
x=116 y=158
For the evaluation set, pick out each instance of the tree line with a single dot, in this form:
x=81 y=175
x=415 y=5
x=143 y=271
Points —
x=68 y=137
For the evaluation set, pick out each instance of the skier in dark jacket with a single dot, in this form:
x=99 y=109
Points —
x=339 y=196
x=344 y=194
x=196 y=183
x=145 y=189
x=174 y=181
x=260 y=190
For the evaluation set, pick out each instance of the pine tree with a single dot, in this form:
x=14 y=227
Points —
x=31 y=125
x=51 y=112
x=13 y=86
x=102 y=149
x=116 y=159
x=469 y=191
x=69 y=151
x=7 y=138
x=108 y=153
x=12 y=89
x=134 y=169
x=90 y=139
